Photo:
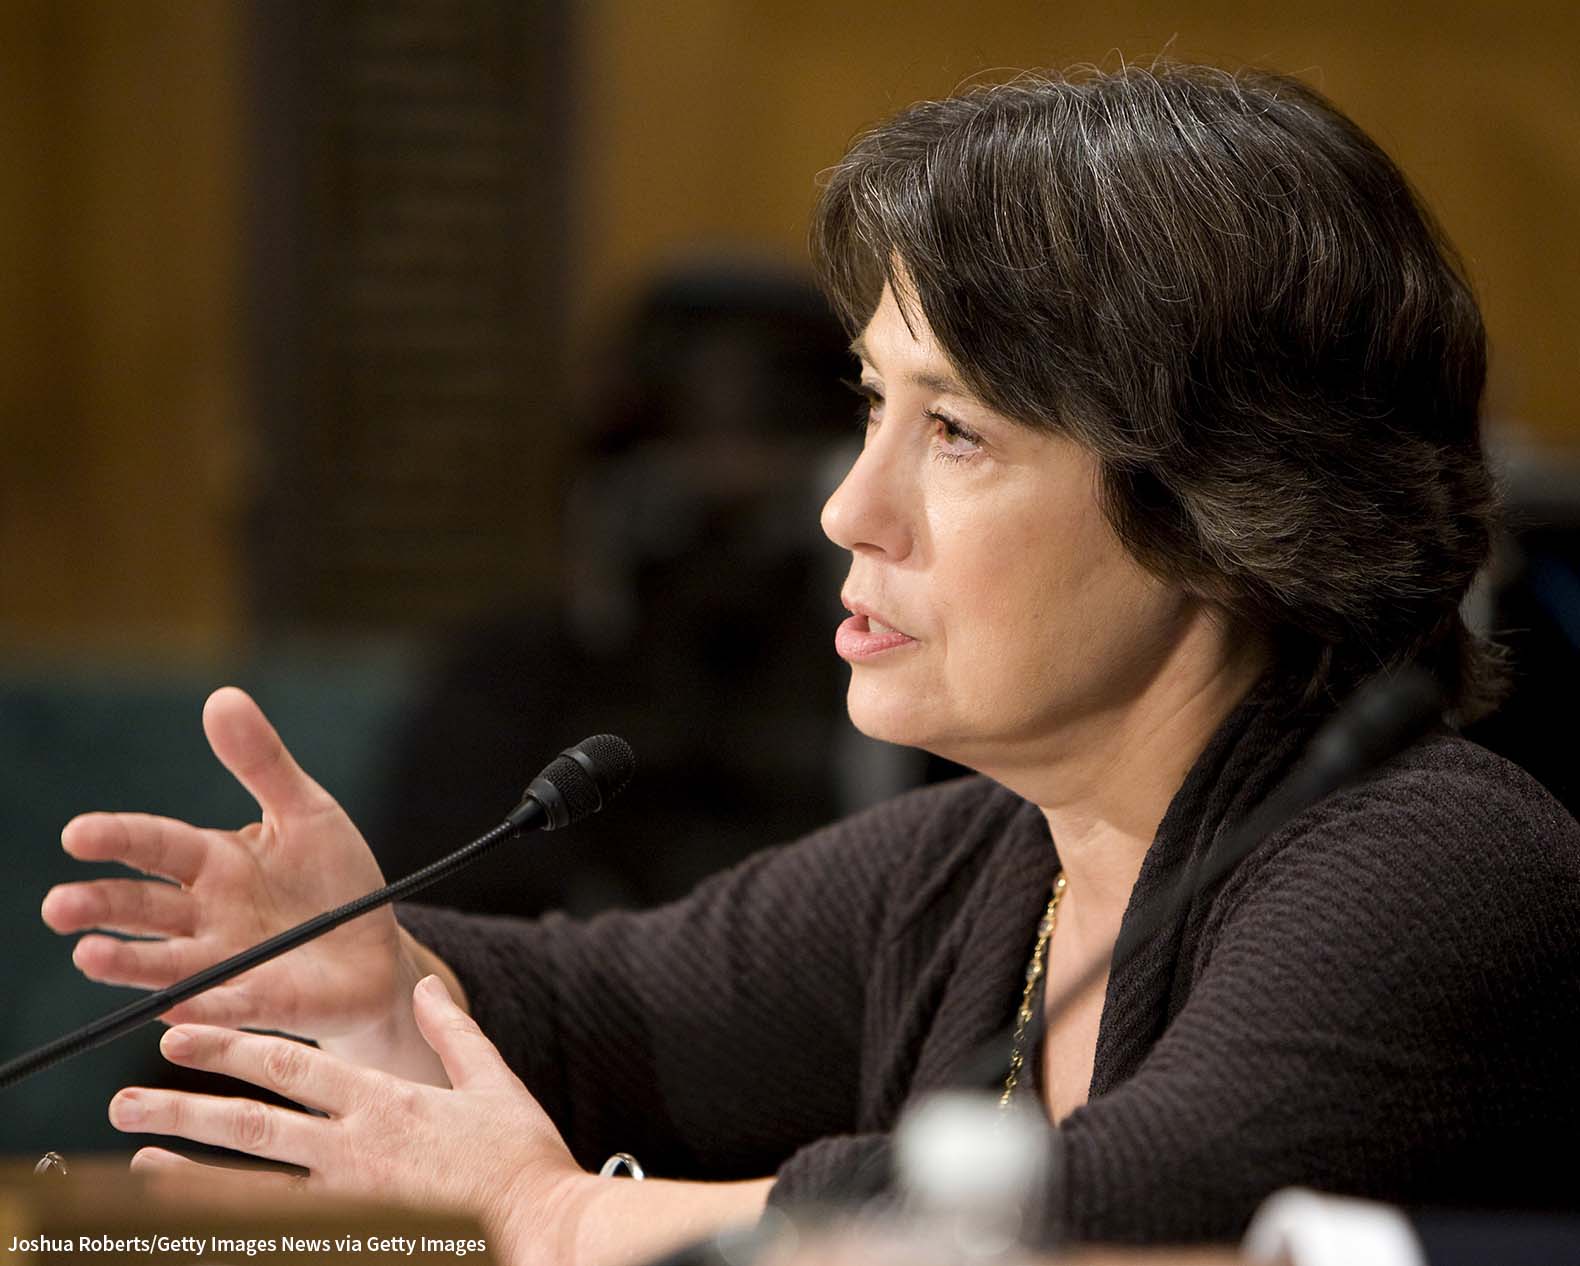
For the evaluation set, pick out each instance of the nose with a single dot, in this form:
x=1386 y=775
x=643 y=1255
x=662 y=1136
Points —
x=866 y=513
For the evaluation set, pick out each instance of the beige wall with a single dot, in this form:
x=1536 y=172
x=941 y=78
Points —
x=708 y=118
x=119 y=365
x=701 y=122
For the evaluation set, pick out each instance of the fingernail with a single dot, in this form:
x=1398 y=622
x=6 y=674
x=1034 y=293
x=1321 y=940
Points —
x=177 y=1042
x=430 y=985
x=126 y=1109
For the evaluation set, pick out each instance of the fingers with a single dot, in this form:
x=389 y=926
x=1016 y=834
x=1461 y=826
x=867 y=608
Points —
x=229 y=1006
x=136 y=964
x=469 y=1058
x=155 y=964
x=299 y=1072
x=248 y=746
x=153 y=845
x=258 y=1129
x=135 y=907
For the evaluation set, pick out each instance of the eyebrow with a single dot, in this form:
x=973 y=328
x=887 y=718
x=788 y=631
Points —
x=941 y=383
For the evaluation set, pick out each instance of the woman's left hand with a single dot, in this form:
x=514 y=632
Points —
x=484 y=1146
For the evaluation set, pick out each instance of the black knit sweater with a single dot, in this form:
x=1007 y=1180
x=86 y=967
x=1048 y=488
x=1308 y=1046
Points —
x=1381 y=1000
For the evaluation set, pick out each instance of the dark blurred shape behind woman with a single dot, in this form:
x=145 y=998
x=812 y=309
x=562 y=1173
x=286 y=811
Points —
x=697 y=587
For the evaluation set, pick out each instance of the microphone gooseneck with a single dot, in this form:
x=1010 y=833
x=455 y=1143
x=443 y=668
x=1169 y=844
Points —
x=578 y=782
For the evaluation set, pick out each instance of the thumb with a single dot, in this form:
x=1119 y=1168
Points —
x=247 y=745
x=470 y=1060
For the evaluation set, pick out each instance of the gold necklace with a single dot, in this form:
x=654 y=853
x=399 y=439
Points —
x=1034 y=970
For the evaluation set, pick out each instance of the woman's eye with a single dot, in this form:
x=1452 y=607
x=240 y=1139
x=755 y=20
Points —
x=956 y=442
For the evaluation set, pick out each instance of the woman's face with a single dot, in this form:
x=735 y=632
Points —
x=995 y=613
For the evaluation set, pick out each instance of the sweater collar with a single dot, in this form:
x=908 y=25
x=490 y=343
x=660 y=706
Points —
x=1246 y=757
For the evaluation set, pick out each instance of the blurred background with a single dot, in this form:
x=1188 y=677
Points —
x=445 y=373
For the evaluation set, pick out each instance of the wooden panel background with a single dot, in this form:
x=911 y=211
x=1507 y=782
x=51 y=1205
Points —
x=120 y=378
x=700 y=124
x=707 y=118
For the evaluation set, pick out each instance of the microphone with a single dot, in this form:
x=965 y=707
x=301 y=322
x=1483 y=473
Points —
x=575 y=784
x=1376 y=723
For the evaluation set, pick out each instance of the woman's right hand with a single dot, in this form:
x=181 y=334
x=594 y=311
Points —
x=350 y=989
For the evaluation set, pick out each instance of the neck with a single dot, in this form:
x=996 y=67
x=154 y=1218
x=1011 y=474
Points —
x=1105 y=785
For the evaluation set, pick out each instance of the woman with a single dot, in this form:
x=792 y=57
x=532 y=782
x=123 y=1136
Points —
x=1171 y=441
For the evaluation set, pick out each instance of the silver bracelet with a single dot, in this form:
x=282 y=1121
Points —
x=619 y=1160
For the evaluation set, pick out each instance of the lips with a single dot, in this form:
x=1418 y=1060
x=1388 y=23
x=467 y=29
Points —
x=864 y=636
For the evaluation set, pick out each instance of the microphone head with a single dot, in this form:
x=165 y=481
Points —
x=608 y=761
x=578 y=782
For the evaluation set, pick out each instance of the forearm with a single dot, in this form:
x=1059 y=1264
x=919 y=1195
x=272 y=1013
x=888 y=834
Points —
x=395 y=1045
x=618 y=1221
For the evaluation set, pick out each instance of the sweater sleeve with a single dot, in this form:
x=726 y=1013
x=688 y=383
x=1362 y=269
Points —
x=711 y=1037
x=1381 y=1011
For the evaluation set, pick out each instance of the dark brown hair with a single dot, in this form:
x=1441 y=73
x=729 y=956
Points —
x=1225 y=290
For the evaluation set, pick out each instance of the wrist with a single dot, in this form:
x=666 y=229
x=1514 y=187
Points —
x=392 y=1042
x=544 y=1222
x=419 y=961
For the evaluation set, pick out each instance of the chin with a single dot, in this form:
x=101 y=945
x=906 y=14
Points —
x=892 y=719
x=923 y=719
